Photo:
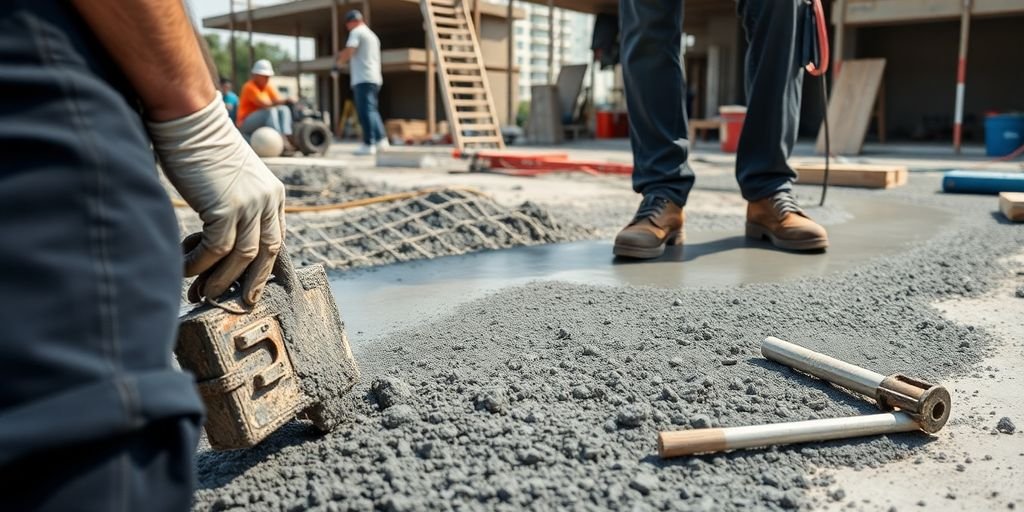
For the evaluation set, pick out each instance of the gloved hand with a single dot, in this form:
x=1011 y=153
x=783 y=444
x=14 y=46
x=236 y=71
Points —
x=239 y=200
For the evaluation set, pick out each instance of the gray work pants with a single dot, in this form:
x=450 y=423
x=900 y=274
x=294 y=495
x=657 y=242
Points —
x=93 y=416
x=655 y=96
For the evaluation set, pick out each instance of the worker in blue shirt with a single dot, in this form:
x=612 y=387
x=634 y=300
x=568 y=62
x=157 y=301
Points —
x=230 y=98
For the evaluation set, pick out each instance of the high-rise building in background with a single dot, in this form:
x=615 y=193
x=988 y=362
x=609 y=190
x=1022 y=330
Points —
x=572 y=37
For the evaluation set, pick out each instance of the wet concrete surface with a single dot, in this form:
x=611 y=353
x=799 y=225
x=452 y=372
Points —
x=377 y=301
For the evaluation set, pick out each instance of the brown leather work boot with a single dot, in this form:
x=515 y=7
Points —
x=658 y=222
x=784 y=224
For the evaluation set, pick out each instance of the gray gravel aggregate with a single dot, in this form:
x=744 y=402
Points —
x=549 y=396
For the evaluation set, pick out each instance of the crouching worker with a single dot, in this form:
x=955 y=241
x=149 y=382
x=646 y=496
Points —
x=260 y=105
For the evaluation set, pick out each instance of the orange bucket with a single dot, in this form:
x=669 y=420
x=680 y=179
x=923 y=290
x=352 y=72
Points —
x=732 y=126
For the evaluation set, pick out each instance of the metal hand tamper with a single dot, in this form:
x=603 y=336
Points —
x=914 y=405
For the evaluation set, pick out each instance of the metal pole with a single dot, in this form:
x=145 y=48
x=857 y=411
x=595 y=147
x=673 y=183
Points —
x=838 y=372
x=335 y=78
x=298 y=62
x=961 y=77
x=551 y=41
x=431 y=88
x=709 y=440
x=476 y=17
x=231 y=43
x=248 y=25
x=510 y=84
x=839 y=12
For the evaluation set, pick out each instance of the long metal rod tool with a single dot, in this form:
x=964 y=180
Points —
x=914 y=405
x=928 y=403
x=709 y=440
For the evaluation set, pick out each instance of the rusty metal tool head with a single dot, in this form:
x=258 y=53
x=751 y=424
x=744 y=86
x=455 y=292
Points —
x=929 y=404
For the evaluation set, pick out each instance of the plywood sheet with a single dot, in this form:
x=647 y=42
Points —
x=570 y=83
x=852 y=175
x=852 y=105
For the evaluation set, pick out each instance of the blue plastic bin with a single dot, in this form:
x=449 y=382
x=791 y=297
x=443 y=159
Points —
x=1003 y=134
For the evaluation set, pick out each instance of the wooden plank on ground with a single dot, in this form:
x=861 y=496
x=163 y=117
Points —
x=1012 y=205
x=852 y=175
x=851 y=106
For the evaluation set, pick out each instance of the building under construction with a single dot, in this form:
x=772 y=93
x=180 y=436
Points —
x=974 y=43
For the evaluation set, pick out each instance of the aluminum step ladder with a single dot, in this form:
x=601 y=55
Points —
x=460 y=68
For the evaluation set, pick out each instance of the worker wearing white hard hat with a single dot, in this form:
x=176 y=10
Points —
x=260 y=105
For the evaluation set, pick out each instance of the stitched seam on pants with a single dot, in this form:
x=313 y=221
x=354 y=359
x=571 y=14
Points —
x=123 y=481
x=98 y=233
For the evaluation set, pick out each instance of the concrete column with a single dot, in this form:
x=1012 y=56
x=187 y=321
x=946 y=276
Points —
x=711 y=85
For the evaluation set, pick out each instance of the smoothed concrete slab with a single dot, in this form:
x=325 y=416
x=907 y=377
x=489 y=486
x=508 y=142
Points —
x=383 y=299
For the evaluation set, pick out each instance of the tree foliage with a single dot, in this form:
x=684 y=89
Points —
x=261 y=50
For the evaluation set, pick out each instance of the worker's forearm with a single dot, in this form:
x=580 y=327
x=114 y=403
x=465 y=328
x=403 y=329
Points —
x=155 y=45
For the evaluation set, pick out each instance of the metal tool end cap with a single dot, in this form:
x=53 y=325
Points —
x=935 y=406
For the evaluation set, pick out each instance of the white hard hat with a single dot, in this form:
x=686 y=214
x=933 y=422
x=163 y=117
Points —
x=263 y=67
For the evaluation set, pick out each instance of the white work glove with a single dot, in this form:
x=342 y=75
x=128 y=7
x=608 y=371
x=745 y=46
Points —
x=240 y=201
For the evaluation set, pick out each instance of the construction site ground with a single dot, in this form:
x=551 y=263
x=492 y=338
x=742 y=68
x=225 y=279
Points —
x=537 y=377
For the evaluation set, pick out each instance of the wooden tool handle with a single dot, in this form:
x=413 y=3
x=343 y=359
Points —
x=708 y=440
x=689 y=442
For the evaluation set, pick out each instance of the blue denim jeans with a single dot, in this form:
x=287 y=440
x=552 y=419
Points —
x=90 y=280
x=279 y=118
x=655 y=92
x=366 y=99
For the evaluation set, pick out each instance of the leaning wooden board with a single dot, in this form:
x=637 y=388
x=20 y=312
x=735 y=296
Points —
x=851 y=106
x=1012 y=205
x=852 y=175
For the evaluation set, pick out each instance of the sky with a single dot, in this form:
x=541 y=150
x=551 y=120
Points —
x=205 y=8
